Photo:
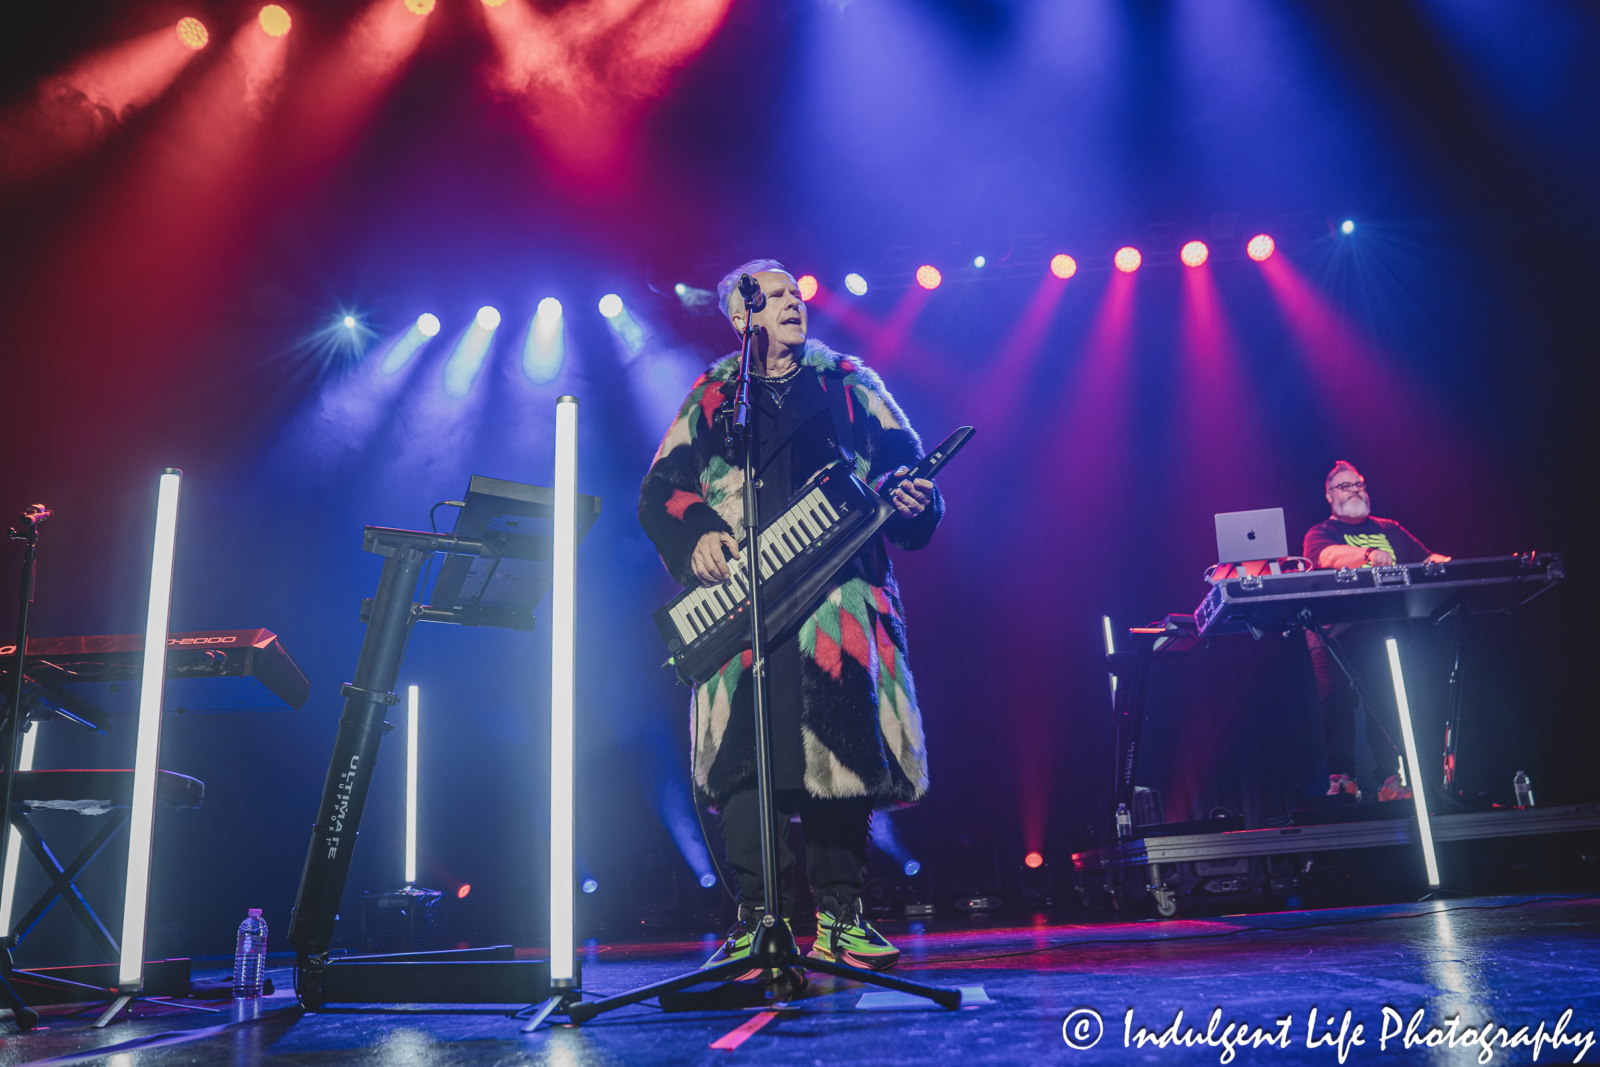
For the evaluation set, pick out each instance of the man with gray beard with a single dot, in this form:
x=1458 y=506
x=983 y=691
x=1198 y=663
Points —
x=1353 y=537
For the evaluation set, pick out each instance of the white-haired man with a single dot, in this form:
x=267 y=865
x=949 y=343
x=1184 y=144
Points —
x=846 y=732
x=1354 y=537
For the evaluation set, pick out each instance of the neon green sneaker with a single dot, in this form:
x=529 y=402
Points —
x=741 y=938
x=851 y=939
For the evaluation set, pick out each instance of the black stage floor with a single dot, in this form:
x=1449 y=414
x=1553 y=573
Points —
x=1516 y=962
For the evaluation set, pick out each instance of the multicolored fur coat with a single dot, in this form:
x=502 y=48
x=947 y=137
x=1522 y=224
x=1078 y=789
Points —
x=860 y=727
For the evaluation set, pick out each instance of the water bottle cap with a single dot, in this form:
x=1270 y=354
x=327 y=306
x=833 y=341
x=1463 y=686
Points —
x=255 y=911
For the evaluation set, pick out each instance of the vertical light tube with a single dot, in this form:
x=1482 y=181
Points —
x=1111 y=646
x=1424 y=828
x=147 y=758
x=411 y=786
x=8 y=890
x=563 y=582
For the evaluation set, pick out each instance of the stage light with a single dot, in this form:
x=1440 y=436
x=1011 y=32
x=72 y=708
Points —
x=1111 y=646
x=488 y=317
x=563 y=667
x=147 y=751
x=1127 y=259
x=1260 y=248
x=928 y=276
x=349 y=322
x=461 y=894
x=192 y=32
x=8 y=890
x=549 y=308
x=274 y=20
x=611 y=305
x=471 y=350
x=979 y=261
x=1413 y=776
x=856 y=284
x=707 y=880
x=591 y=886
x=1063 y=266
x=419 y=7
x=411 y=785
x=428 y=324
x=912 y=868
x=1348 y=226
x=680 y=289
x=1194 y=254
x=807 y=285
x=1033 y=859
x=545 y=348
x=493 y=3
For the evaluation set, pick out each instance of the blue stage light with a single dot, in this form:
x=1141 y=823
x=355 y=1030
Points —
x=349 y=322
x=680 y=289
x=856 y=284
x=979 y=261
x=708 y=880
x=488 y=317
x=428 y=324
x=611 y=305
x=1348 y=226
x=546 y=348
x=590 y=885
x=912 y=868
x=473 y=348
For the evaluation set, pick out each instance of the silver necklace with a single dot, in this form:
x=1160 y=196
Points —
x=778 y=388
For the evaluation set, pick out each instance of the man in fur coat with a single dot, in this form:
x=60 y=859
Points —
x=846 y=732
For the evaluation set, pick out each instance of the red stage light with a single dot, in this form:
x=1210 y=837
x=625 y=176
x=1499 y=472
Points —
x=1260 y=248
x=192 y=32
x=1063 y=266
x=1127 y=259
x=419 y=7
x=274 y=20
x=1194 y=253
x=929 y=277
x=461 y=894
x=808 y=286
x=1033 y=859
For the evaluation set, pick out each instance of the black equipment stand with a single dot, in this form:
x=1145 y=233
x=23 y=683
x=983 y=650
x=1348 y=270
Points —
x=1344 y=663
x=773 y=946
x=28 y=533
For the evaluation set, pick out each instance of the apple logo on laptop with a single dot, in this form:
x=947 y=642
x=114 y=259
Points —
x=1250 y=535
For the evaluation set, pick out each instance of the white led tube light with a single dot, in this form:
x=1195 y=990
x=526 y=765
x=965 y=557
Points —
x=563 y=584
x=411 y=786
x=147 y=758
x=1111 y=646
x=1424 y=828
x=8 y=890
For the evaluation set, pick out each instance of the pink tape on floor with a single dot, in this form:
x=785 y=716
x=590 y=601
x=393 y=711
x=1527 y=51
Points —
x=742 y=1033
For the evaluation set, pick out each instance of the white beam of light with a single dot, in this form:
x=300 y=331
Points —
x=147 y=758
x=563 y=589
x=473 y=348
x=411 y=785
x=1424 y=828
x=546 y=347
x=401 y=351
x=628 y=331
x=8 y=891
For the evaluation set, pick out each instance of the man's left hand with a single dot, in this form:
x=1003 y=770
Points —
x=911 y=498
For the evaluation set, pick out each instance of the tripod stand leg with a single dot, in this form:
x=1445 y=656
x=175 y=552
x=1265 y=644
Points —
x=559 y=1002
x=945 y=998
x=25 y=1017
x=113 y=1010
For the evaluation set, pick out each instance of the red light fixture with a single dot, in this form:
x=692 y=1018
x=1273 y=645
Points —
x=808 y=286
x=1194 y=254
x=1127 y=259
x=1260 y=248
x=419 y=7
x=1034 y=860
x=1063 y=266
x=461 y=894
x=928 y=276
x=192 y=32
x=274 y=20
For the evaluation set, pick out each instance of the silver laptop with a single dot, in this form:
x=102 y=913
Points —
x=1251 y=535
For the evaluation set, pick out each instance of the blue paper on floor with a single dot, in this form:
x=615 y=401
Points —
x=879 y=1000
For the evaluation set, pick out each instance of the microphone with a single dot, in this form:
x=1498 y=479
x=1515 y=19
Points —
x=35 y=514
x=750 y=289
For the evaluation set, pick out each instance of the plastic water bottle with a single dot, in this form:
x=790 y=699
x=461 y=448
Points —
x=1124 y=822
x=1524 y=787
x=250 y=956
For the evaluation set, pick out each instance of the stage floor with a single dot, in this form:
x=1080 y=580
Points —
x=1515 y=962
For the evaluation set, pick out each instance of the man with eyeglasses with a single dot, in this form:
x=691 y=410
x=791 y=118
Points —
x=1353 y=537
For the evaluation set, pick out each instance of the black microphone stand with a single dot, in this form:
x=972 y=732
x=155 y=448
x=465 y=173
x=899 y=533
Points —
x=26 y=1018
x=772 y=945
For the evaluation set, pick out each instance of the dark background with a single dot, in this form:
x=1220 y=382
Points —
x=175 y=271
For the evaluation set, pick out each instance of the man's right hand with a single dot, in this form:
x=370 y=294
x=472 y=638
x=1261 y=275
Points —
x=708 y=562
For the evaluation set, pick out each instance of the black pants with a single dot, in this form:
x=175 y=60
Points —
x=1340 y=703
x=836 y=847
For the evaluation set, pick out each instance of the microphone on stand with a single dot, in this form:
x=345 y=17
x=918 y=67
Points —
x=750 y=289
